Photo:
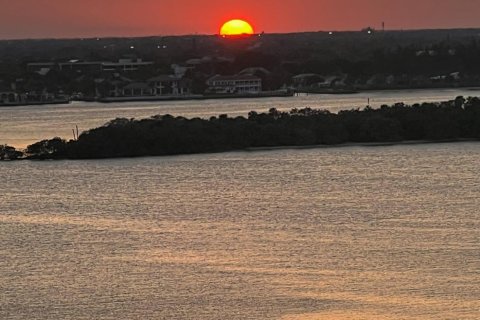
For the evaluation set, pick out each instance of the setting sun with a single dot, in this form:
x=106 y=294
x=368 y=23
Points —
x=236 y=28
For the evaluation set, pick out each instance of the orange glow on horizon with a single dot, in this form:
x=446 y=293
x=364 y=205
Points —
x=236 y=27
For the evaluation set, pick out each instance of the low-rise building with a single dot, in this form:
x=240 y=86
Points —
x=7 y=97
x=137 y=89
x=80 y=66
x=169 y=85
x=315 y=81
x=237 y=84
x=306 y=80
x=126 y=65
x=162 y=85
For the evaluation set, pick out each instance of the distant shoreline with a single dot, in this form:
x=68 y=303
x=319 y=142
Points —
x=35 y=103
x=268 y=94
x=283 y=148
x=263 y=94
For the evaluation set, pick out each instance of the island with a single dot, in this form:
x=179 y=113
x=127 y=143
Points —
x=162 y=135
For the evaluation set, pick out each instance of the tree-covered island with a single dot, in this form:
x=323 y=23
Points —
x=163 y=135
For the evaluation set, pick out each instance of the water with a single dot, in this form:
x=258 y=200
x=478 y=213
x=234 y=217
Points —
x=21 y=126
x=334 y=233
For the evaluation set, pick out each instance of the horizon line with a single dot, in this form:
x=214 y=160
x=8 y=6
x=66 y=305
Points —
x=60 y=38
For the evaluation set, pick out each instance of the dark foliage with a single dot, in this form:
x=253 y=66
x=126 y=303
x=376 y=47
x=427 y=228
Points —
x=391 y=59
x=9 y=153
x=168 y=135
x=48 y=149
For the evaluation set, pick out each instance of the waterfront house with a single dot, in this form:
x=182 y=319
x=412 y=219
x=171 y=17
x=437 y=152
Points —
x=237 y=84
x=7 y=97
x=306 y=80
x=162 y=85
x=169 y=85
x=137 y=89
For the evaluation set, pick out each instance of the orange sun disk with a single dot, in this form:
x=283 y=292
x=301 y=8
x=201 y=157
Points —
x=236 y=27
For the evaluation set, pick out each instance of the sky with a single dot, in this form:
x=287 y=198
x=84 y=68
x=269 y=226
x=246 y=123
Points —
x=99 y=18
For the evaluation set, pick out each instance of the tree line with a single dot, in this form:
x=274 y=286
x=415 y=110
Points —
x=168 y=135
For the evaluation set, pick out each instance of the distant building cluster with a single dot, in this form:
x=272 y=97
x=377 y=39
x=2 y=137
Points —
x=10 y=95
x=200 y=66
x=162 y=85
x=125 y=78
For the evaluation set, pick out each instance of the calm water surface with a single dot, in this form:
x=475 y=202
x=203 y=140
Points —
x=20 y=126
x=336 y=233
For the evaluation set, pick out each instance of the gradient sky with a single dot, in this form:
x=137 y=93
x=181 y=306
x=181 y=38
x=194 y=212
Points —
x=91 y=18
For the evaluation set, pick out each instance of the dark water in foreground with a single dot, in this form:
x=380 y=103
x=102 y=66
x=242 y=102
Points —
x=340 y=233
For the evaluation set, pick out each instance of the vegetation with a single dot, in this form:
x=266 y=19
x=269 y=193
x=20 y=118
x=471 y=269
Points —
x=377 y=60
x=9 y=153
x=168 y=135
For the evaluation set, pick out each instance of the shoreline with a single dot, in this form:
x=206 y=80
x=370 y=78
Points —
x=265 y=94
x=278 y=148
x=35 y=103
x=361 y=144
